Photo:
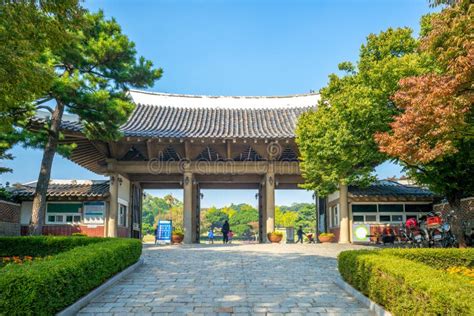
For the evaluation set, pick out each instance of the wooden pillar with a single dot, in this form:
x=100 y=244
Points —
x=195 y=212
x=188 y=207
x=113 y=206
x=344 y=228
x=270 y=200
x=262 y=215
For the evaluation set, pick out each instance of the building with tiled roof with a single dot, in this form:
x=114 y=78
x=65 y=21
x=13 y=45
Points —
x=389 y=189
x=64 y=189
x=73 y=206
x=372 y=207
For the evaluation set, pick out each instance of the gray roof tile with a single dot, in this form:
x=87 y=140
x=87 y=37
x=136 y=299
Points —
x=389 y=188
x=159 y=115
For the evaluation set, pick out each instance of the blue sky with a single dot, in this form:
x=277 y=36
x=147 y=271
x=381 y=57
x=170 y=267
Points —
x=230 y=47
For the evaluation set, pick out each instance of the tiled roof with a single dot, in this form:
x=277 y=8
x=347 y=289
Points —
x=161 y=115
x=186 y=116
x=389 y=188
x=65 y=188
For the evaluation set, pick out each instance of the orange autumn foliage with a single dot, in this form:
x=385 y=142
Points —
x=436 y=107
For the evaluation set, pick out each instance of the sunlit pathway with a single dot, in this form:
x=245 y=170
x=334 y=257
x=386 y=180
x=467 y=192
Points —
x=238 y=280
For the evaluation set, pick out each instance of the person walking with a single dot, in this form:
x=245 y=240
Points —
x=300 y=234
x=210 y=235
x=225 y=232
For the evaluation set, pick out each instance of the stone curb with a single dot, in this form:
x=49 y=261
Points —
x=371 y=305
x=83 y=301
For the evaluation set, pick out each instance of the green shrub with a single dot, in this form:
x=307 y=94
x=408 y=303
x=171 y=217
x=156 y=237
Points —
x=79 y=234
x=437 y=258
x=406 y=287
x=40 y=246
x=276 y=233
x=45 y=287
x=178 y=231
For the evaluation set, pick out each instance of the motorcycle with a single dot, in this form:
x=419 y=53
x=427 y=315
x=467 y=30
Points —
x=449 y=240
x=411 y=234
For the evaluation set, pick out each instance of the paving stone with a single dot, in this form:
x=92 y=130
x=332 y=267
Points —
x=231 y=280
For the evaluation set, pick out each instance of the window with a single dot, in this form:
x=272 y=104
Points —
x=122 y=218
x=425 y=208
x=391 y=208
x=364 y=208
x=370 y=218
x=385 y=218
x=336 y=215
x=63 y=213
x=397 y=218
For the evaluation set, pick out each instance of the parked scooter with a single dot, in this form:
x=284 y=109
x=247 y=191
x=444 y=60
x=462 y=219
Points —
x=412 y=234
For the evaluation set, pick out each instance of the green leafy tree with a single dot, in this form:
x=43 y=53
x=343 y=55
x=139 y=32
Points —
x=215 y=217
x=156 y=208
x=306 y=217
x=285 y=218
x=336 y=140
x=92 y=75
x=27 y=30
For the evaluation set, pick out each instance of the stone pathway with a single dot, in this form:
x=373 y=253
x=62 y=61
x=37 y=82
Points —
x=267 y=279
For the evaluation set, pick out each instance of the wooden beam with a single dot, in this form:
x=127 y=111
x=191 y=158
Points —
x=101 y=147
x=205 y=167
x=118 y=149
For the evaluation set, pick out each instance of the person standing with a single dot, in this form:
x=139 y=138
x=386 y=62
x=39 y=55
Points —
x=300 y=234
x=210 y=235
x=225 y=232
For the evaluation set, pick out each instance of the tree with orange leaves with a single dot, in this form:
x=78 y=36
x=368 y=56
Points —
x=433 y=134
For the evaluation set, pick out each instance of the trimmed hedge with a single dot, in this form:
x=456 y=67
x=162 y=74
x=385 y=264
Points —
x=45 y=287
x=406 y=287
x=437 y=258
x=40 y=246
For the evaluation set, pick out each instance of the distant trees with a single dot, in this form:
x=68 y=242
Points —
x=298 y=214
x=156 y=208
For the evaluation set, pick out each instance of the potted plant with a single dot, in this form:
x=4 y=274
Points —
x=275 y=237
x=326 y=237
x=177 y=236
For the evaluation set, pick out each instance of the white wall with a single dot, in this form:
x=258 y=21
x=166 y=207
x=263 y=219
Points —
x=124 y=191
x=333 y=196
x=25 y=213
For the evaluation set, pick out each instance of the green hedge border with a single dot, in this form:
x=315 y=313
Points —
x=407 y=287
x=41 y=246
x=46 y=287
x=436 y=258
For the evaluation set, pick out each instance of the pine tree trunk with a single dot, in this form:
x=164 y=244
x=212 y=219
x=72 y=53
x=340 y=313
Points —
x=39 y=200
x=458 y=220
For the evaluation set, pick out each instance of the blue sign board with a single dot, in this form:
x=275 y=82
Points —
x=163 y=232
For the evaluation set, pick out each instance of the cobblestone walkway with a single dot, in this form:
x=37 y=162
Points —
x=232 y=280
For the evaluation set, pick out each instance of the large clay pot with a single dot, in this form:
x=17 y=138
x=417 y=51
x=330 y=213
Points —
x=274 y=238
x=325 y=239
x=176 y=239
